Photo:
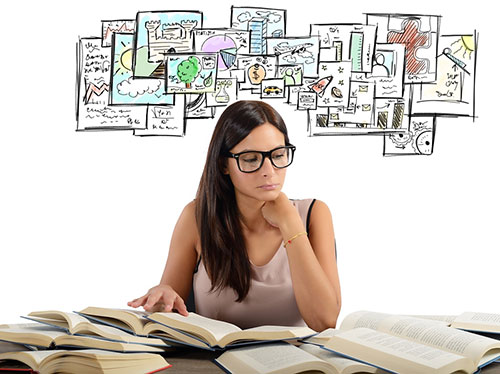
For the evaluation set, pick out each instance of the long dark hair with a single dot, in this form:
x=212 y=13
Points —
x=223 y=249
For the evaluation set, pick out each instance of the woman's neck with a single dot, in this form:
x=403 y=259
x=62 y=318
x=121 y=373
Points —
x=251 y=214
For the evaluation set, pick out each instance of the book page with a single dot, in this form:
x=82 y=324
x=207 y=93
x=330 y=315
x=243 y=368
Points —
x=448 y=319
x=31 y=358
x=443 y=337
x=211 y=329
x=267 y=333
x=430 y=332
x=128 y=319
x=342 y=364
x=270 y=358
x=58 y=318
x=322 y=337
x=397 y=354
x=31 y=334
x=487 y=322
x=363 y=318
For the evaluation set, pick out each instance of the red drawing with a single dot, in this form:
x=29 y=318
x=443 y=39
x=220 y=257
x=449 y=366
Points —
x=412 y=39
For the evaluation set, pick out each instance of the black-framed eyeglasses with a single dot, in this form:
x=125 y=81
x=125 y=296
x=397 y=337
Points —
x=250 y=161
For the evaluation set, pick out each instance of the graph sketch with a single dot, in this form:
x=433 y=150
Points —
x=387 y=75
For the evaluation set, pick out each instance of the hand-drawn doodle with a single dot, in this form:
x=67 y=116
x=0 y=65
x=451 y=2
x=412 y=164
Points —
x=256 y=68
x=417 y=140
x=388 y=70
x=273 y=88
x=455 y=79
x=302 y=51
x=419 y=35
x=93 y=82
x=333 y=85
x=392 y=76
x=197 y=108
x=125 y=89
x=191 y=73
x=165 y=119
x=262 y=22
x=341 y=42
x=110 y=27
x=159 y=34
x=292 y=75
x=226 y=42
x=225 y=93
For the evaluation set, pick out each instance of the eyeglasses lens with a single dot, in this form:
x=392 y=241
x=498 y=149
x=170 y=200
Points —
x=252 y=161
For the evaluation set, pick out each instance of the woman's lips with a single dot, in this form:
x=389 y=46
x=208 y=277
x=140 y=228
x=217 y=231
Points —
x=269 y=187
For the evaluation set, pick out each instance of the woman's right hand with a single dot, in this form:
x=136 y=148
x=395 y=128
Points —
x=161 y=298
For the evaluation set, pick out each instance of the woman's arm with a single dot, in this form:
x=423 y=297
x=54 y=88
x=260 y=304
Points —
x=177 y=278
x=312 y=261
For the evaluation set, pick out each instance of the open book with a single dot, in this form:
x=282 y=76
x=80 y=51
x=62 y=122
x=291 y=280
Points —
x=285 y=358
x=129 y=320
x=75 y=324
x=470 y=321
x=221 y=334
x=409 y=345
x=87 y=361
x=34 y=334
x=193 y=330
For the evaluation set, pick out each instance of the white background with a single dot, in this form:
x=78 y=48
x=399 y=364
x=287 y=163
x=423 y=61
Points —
x=86 y=218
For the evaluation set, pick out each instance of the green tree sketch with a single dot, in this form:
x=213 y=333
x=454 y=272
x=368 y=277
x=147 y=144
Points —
x=188 y=70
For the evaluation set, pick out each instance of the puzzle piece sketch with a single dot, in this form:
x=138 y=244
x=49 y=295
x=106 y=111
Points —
x=418 y=34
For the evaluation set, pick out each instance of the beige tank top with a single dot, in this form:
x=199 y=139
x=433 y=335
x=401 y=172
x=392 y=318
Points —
x=270 y=299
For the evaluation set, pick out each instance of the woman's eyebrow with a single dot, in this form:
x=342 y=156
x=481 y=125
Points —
x=254 y=150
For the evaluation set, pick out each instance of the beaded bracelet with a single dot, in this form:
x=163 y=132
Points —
x=294 y=237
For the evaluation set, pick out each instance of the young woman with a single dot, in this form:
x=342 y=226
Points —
x=252 y=256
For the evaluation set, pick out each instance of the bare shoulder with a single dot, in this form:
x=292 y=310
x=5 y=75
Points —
x=320 y=210
x=186 y=228
x=320 y=220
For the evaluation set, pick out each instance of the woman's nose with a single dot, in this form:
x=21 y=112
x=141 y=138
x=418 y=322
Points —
x=267 y=167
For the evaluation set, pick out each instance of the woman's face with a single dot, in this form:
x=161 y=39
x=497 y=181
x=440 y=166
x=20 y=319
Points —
x=266 y=183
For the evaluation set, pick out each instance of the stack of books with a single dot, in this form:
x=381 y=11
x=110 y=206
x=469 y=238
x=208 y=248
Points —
x=103 y=340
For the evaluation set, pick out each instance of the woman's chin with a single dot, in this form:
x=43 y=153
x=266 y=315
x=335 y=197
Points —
x=270 y=195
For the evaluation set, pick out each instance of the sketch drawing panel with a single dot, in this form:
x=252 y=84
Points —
x=453 y=93
x=228 y=43
x=225 y=93
x=110 y=27
x=256 y=69
x=419 y=34
x=333 y=84
x=299 y=50
x=191 y=73
x=127 y=90
x=196 y=107
x=160 y=33
x=292 y=75
x=417 y=140
x=273 y=89
x=262 y=22
x=354 y=42
x=93 y=110
x=388 y=70
x=165 y=120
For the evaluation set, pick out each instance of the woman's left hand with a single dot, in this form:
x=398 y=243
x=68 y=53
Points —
x=276 y=212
